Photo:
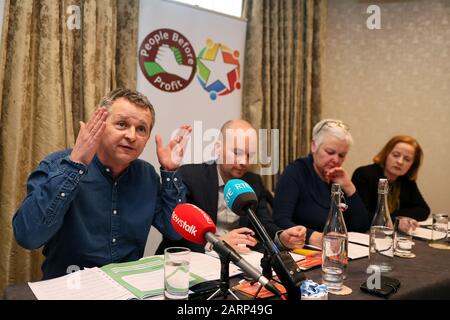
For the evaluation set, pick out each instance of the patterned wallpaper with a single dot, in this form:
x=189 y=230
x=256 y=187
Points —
x=393 y=80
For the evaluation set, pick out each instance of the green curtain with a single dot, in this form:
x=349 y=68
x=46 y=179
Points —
x=52 y=77
x=282 y=72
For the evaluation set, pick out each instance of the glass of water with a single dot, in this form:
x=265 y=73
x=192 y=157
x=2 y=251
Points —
x=403 y=241
x=176 y=273
x=439 y=231
x=334 y=260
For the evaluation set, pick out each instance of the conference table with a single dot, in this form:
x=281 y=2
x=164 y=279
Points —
x=427 y=276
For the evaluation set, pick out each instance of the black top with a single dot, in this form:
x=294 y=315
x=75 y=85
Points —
x=303 y=198
x=412 y=203
x=202 y=183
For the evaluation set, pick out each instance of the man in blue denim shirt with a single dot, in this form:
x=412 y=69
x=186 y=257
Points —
x=95 y=204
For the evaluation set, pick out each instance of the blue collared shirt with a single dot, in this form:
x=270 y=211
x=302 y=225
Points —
x=85 y=218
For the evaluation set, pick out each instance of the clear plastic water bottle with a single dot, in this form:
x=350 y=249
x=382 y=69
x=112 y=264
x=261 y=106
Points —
x=334 y=244
x=381 y=246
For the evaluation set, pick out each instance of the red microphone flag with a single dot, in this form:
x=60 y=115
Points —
x=192 y=223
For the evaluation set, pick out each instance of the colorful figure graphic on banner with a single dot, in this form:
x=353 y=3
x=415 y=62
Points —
x=218 y=69
x=167 y=60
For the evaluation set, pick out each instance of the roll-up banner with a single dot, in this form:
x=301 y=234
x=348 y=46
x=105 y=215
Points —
x=190 y=64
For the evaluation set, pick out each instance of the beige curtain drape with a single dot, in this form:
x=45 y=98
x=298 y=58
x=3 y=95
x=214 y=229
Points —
x=51 y=77
x=282 y=82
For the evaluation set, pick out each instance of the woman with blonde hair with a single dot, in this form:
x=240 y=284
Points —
x=398 y=161
x=302 y=195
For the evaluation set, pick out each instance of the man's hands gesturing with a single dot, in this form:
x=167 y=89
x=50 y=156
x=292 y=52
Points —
x=89 y=137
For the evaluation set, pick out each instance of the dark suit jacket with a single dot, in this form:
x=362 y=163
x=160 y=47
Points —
x=412 y=203
x=202 y=183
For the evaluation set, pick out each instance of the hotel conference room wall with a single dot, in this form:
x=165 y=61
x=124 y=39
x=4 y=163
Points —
x=393 y=80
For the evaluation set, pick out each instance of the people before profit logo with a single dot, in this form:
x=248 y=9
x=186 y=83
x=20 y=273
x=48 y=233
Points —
x=167 y=60
x=184 y=225
x=219 y=69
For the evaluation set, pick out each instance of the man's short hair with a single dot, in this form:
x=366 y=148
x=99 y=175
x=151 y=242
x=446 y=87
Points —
x=134 y=97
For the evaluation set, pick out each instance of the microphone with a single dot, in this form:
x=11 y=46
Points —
x=196 y=226
x=241 y=199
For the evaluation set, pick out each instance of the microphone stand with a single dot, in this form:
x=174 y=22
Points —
x=266 y=266
x=224 y=287
x=282 y=263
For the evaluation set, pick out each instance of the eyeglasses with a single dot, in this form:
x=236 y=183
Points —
x=333 y=124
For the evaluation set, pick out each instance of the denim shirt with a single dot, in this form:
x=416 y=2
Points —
x=86 y=218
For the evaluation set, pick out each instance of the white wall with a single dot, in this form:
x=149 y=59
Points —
x=392 y=81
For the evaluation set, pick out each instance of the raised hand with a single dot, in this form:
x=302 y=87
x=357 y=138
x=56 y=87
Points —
x=171 y=155
x=89 y=137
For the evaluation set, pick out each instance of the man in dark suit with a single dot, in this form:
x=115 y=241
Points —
x=205 y=184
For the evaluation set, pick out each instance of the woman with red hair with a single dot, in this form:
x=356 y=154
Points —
x=398 y=161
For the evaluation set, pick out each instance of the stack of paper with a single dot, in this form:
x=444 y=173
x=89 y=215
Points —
x=358 y=245
x=141 y=279
x=87 y=284
x=360 y=238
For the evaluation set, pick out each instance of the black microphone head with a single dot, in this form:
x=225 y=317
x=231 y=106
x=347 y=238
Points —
x=239 y=196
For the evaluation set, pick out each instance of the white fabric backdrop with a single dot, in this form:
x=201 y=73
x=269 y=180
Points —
x=193 y=104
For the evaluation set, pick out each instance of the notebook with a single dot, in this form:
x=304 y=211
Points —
x=142 y=279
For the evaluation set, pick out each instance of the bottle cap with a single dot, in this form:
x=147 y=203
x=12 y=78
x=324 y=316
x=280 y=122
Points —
x=383 y=186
